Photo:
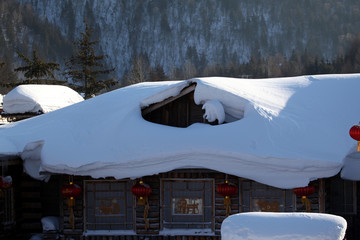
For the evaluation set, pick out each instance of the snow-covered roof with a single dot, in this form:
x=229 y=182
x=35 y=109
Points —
x=292 y=131
x=36 y=98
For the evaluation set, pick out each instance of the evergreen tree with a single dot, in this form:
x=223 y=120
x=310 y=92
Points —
x=85 y=66
x=8 y=77
x=36 y=70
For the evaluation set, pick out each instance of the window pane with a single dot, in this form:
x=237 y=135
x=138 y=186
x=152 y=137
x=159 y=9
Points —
x=260 y=197
x=187 y=204
x=109 y=205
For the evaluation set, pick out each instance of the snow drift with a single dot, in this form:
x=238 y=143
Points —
x=283 y=226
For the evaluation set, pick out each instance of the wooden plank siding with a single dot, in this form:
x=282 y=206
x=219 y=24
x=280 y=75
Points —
x=155 y=208
x=179 y=112
x=332 y=206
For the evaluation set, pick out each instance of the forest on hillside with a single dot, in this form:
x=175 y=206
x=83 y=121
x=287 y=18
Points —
x=252 y=39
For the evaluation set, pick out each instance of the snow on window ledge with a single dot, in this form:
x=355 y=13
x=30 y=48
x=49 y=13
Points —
x=186 y=232
x=108 y=232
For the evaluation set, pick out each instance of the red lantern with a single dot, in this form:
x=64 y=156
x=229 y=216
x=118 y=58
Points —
x=303 y=192
x=71 y=191
x=141 y=190
x=355 y=134
x=226 y=190
x=5 y=182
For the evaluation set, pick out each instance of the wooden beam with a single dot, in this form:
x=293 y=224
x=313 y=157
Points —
x=158 y=105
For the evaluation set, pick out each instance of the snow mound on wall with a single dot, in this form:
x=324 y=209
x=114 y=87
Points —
x=39 y=98
x=214 y=111
x=283 y=226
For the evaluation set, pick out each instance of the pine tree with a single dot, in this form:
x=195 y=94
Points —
x=8 y=77
x=85 y=66
x=36 y=70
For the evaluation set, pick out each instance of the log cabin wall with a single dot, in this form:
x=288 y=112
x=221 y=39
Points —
x=26 y=202
x=10 y=202
x=178 y=112
x=248 y=192
x=342 y=199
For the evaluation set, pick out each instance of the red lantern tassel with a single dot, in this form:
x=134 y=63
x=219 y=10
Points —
x=227 y=204
x=358 y=147
x=306 y=202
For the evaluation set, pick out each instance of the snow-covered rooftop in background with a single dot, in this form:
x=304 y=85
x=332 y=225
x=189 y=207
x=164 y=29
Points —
x=292 y=130
x=35 y=98
x=283 y=226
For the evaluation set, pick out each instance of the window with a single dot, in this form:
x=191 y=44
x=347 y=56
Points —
x=187 y=204
x=7 y=214
x=342 y=196
x=109 y=205
x=257 y=197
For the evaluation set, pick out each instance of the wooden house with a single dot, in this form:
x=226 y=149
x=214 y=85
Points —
x=150 y=165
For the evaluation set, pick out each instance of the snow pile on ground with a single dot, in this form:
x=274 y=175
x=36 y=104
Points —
x=50 y=223
x=39 y=98
x=283 y=226
x=291 y=131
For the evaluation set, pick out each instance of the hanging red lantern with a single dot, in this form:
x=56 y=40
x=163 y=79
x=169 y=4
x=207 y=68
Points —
x=71 y=191
x=303 y=192
x=355 y=134
x=142 y=191
x=227 y=190
x=5 y=182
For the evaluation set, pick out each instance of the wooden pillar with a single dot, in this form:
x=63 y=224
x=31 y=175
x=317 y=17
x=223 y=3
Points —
x=322 y=194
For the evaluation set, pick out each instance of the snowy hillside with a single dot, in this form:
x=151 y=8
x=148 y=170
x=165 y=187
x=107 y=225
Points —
x=205 y=32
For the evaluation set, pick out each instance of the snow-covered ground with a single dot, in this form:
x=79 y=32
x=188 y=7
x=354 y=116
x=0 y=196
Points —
x=287 y=131
x=283 y=226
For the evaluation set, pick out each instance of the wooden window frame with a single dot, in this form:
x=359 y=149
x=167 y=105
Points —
x=247 y=205
x=127 y=194
x=212 y=205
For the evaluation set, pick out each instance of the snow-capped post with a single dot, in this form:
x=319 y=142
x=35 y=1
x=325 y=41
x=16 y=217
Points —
x=71 y=191
x=303 y=192
x=142 y=191
x=5 y=183
x=227 y=190
x=355 y=134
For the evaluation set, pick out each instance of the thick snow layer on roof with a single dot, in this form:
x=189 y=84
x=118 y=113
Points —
x=283 y=226
x=34 y=98
x=292 y=131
